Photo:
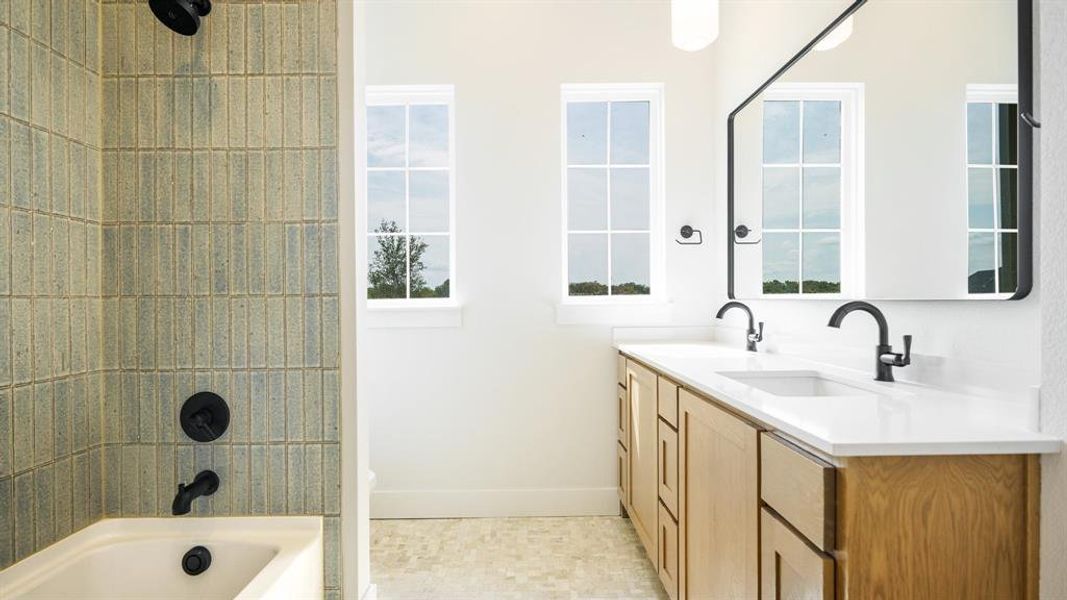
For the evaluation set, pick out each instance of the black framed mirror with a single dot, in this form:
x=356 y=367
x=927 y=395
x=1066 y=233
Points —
x=890 y=158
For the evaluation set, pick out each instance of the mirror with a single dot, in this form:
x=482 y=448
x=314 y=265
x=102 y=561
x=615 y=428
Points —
x=889 y=159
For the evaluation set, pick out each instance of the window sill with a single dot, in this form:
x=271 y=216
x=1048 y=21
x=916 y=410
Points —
x=394 y=316
x=652 y=312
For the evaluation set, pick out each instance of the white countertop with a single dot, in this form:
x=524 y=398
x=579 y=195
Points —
x=888 y=419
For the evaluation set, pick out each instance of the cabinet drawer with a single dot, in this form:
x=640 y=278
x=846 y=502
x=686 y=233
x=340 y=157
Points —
x=668 y=401
x=789 y=566
x=622 y=430
x=620 y=368
x=668 y=467
x=800 y=488
x=624 y=475
x=667 y=559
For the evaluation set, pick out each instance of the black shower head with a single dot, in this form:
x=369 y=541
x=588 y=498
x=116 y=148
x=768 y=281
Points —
x=183 y=16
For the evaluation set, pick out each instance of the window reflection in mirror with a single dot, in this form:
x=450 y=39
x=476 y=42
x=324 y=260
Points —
x=885 y=165
x=802 y=196
x=992 y=189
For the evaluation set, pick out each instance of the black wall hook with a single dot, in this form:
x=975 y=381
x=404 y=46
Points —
x=1030 y=120
x=687 y=232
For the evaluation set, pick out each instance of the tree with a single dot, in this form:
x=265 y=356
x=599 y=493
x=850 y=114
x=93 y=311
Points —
x=393 y=262
x=588 y=288
x=595 y=288
x=387 y=273
x=811 y=286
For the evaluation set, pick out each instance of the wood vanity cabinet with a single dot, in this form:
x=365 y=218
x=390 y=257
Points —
x=728 y=508
x=897 y=526
x=718 y=502
x=643 y=506
x=703 y=467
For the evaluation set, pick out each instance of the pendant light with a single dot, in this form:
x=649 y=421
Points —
x=836 y=37
x=694 y=23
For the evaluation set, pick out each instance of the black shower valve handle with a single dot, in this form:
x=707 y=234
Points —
x=201 y=419
x=204 y=416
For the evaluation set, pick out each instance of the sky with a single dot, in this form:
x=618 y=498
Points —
x=608 y=189
x=417 y=200
x=798 y=195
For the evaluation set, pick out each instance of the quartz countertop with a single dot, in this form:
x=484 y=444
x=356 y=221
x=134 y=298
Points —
x=886 y=419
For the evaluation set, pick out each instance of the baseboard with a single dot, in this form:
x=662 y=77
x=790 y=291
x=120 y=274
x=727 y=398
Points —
x=439 y=504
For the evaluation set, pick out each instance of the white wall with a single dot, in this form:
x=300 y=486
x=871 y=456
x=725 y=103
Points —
x=957 y=343
x=914 y=130
x=511 y=413
x=1053 y=190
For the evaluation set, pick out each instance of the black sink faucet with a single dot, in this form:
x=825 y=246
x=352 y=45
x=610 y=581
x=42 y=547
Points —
x=205 y=484
x=751 y=334
x=885 y=358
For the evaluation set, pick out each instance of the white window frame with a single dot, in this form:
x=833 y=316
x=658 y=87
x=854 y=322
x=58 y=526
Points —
x=852 y=224
x=993 y=93
x=619 y=92
x=407 y=96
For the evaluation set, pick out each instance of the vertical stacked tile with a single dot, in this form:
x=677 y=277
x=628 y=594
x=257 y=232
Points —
x=220 y=244
x=51 y=470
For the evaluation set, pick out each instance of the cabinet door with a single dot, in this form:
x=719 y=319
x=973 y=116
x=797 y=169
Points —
x=668 y=467
x=668 y=552
x=668 y=401
x=644 y=471
x=622 y=430
x=718 y=502
x=623 y=460
x=792 y=569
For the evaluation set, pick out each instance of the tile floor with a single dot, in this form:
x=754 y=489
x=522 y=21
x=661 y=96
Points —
x=528 y=558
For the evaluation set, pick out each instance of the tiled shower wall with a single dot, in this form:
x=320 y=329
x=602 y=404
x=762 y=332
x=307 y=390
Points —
x=50 y=252
x=220 y=245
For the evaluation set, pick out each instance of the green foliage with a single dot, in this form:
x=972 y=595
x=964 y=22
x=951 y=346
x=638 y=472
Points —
x=387 y=274
x=775 y=286
x=811 y=286
x=595 y=288
x=440 y=291
x=630 y=289
x=587 y=288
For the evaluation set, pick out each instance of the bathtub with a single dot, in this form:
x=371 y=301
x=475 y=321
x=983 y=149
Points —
x=251 y=557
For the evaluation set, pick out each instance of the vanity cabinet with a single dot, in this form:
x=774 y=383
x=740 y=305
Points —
x=790 y=567
x=643 y=507
x=703 y=466
x=718 y=502
x=668 y=468
x=726 y=507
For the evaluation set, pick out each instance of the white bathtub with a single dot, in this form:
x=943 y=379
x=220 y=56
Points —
x=251 y=557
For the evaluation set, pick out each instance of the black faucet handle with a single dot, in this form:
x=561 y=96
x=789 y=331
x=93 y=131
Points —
x=758 y=337
x=896 y=359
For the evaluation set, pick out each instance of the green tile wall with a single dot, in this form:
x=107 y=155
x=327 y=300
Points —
x=51 y=320
x=220 y=222
x=168 y=224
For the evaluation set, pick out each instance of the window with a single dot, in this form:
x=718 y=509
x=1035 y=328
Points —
x=612 y=192
x=809 y=187
x=410 y=195
x=992 y=189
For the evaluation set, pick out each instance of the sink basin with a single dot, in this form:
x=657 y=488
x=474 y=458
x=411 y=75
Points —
x=797 y=383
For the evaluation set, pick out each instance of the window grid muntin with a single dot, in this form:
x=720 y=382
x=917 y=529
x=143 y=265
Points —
x=995 y=166
x=800 y=230
x=402 y=99
x=607 y=167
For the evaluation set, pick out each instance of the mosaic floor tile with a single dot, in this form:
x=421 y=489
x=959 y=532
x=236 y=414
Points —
x=510 y=558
